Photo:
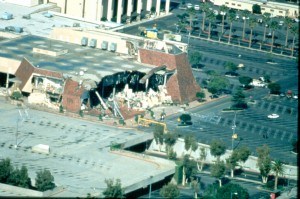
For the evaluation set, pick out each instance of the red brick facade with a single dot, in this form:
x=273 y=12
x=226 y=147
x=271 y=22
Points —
x=71 y=96
x=182 y=86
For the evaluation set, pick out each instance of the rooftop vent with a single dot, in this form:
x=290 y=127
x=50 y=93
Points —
x=104 y=45
x=93 y=43
x=84 y=41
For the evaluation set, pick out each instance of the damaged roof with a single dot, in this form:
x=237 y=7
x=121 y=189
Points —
x=80 y=62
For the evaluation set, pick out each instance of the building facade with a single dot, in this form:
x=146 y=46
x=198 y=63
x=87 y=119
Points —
x=112 y=10
x=274 y=8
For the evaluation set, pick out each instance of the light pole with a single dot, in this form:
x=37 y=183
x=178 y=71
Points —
x=235 y=193
x=150 y=186
x=234 y=135
x=16 y=145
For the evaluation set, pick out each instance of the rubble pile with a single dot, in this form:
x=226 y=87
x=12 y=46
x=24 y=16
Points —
x=143 y=100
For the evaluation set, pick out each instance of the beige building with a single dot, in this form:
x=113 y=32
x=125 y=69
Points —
x=274 y=8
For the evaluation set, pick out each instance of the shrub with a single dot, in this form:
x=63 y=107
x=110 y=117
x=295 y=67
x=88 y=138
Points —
x=16 y=95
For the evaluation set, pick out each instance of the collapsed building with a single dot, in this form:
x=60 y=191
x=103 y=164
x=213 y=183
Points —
x=98 y=71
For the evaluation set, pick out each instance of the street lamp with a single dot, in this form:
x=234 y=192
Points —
x=150 y=187
x=235 y=193
x=234 y=135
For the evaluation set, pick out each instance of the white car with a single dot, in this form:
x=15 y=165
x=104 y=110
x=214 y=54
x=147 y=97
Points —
x=196 y=7
x=189 y=5
x=273 y=116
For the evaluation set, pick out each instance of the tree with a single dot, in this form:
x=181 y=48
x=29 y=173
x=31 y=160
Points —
x=288 y=24
x=264 y=162
x=266 y=20
x=274 y=88
x=195 y=186
x=211 y=17
x=217 y=170
x=191 y=12
x=194 y=57
x=189 y=169
x=19 y=177
x=267 y=78
x=217 y=148
x=245 y=80
x=202 y=158
x=231 y=67
x=227 y=191
x=238 y=100
x=223 y=10
x=238 y=155
x=113 y=190
x=159 y=135
x=245 y=14
x=295 y=31
x=16 y=95
x=217 y=83
x=184 y=118
x=200 y=96
x=252 y=24
x=278 y=169
x=295 y=146
x=44 y=180
x=205 y=10
x=170 y=140
x=5 y=170
x=256 y=9
x=190 y=142
x=169 y=191
x=273 y=26
x=232 y=18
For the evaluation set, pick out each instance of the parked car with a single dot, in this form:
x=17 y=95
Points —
x=273 y=116
x=231 y=74
x=196 y=7
x=189 y=5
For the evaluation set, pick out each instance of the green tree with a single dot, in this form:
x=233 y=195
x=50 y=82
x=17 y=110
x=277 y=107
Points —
x=170 y=140
x=267 y=78
x=278 y=169
x=231 y=18
x=189 y=169
x=288 y=25
x=217 y=148
x=195 y=187
x=169 y=191
x=266 y=20
x=273 y=26
x=191 y=12
x=295 y=146
x=113 y=190
x=200 y=96
x=217 y=83
x=238 y=155
x=232 y=191
x=274 y=88
x=295 y=31
x=159 y=135
x=245 y=14
x=16 y=95
x=44 y=180
x=252 y=24
x=264 y=162
x=238 y=99
x=19 y=177
x=223 y=10
x=243 y=153
x=205 y=9
x=202 y=158
x=190 y=142
x=5 y=170
x=245 y=80
x=184 y=118
x=256 y=9
x=194 y=57
x=217 y=170
x=231 y=67
x=211 y=17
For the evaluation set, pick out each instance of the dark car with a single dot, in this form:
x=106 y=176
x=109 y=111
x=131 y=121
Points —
x=214 y=96
x=198 y=66
x=231 y=74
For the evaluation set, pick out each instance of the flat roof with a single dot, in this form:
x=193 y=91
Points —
x=80 y=158
x=95 y=63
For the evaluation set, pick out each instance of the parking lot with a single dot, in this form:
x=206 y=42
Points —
x=80 y=158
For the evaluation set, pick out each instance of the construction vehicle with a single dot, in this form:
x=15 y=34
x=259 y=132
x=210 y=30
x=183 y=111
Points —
x=148 y=122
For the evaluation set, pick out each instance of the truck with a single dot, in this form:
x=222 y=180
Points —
x=258 y=83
